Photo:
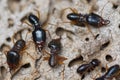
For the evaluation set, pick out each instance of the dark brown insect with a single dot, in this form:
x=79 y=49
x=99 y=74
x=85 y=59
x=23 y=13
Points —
x=38 y=34
x=55 y=48
x=112 y=72
x=90 y=19
x=87 y=67
x=86 y=19
x=13 y=56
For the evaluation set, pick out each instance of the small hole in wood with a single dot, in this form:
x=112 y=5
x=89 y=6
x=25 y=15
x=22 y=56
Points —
x=3 y=71
x=75 y=60
x=86 y=39
x=2 y=46
x=103 y=69
x=8 y=39
x=115 y=6
x=119 y=26
x=83 y=76
x=26 y=65
x=88 y=1
x=59 y=31
x=109 y=58
x=103 y=46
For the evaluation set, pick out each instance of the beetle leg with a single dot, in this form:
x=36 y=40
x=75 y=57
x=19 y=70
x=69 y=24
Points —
x=48 y=33
x=38 y=13
x=29 y=55
x=27 y=34
x=72 y=9
x=90 y=30
x=62 y=72
x=26 y=22
x=94 y=78
x=44 y=51
x=13 y=38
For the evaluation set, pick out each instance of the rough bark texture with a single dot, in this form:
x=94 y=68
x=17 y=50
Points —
x=76 y=40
